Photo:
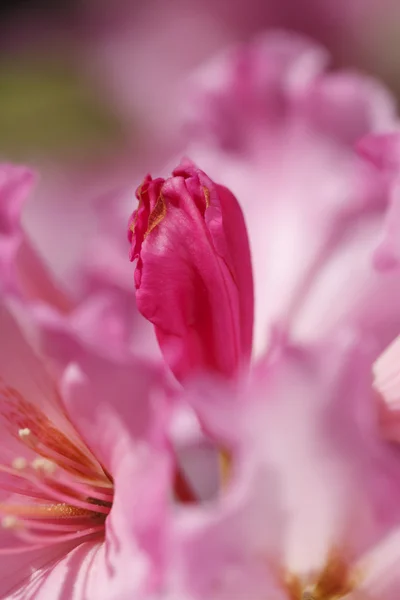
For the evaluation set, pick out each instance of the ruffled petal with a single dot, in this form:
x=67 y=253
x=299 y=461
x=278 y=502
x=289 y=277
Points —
x=270 y=121
x=309 y=473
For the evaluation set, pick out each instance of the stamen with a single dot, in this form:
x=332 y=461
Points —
x=27 y=436
x=67 y=463
x=56 y=494
x=9 y=522
x=66 y=527
x=32 y=538
x=19 y=463
x=59 y=496
x=21 y=491
x=70 y=494
x=84 y=489
x=44 y=465
x=46 y=511
x=24 y=433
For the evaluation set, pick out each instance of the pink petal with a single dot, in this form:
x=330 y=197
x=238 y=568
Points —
x=22 y=270
x=15 y=185
x=238 y=248
x=107 y=322
x=380 y=568
x=36 y=281
x=111 y=403
x=345 y=105
x=129 y=562
x=387 y=383
x=115 y=409
x=23 y=378
x=21 y=573
x=384 y=152
x=387 y=373
x=140 y=516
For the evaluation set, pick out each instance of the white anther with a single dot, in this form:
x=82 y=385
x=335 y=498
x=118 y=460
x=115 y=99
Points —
x=10 y=522
x=27 y=437
x=24 y=433
x=43 y=464
x=19 y=463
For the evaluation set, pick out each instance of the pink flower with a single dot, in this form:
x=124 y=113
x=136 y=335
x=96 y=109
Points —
x=72 y=298
x=84 y=475
x=310 y=508
x=193 y=275
x=270 y=121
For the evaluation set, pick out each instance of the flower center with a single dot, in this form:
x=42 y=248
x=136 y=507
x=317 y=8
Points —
x=56 y=489
x=335 y=581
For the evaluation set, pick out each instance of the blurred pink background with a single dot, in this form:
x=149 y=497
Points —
x=132 y=58
x=92 y=90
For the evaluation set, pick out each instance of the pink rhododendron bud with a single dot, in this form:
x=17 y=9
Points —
x=193 y=275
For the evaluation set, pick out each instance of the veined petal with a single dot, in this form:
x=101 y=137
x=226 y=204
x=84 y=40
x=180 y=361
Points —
x=193 y=274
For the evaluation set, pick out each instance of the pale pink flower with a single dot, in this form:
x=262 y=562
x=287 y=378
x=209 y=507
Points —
x=193 y=273
x=279 y=129
x=84 y=475
x=310 y=508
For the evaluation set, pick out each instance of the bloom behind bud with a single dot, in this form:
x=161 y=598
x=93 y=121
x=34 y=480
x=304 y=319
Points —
x=193 y=275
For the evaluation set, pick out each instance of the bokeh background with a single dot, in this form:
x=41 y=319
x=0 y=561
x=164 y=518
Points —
x=85 y=79
x=91 y=90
